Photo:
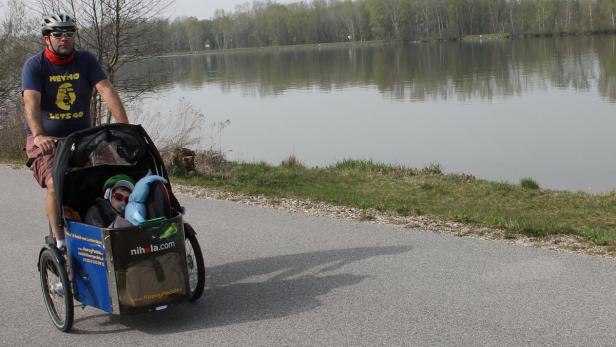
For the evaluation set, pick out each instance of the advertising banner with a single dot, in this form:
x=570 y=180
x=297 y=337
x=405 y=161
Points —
x=150 y=264
x=88 y=265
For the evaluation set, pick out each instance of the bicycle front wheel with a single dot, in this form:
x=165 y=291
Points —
x=57 y=291
x=196 y=266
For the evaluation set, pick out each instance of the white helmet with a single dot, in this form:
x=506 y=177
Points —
x=58 y=21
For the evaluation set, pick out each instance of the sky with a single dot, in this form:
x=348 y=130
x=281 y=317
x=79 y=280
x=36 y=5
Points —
x=204 y=9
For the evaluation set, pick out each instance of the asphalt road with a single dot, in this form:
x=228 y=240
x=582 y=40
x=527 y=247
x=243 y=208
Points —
x=279 y=278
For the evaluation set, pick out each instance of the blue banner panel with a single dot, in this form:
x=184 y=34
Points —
x=87 y=252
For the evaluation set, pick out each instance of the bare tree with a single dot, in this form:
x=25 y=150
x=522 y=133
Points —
x=14 y=28
x=393 y=9
x=116 y=30
x=346 y=15
x=15 y=45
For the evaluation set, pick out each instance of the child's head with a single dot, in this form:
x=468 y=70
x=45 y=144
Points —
x=117 y=189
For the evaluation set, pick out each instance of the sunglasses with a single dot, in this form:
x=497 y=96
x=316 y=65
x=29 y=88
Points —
x=120 y=197
x=58 y=34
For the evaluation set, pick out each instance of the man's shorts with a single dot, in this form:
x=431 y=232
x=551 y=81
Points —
x=41 y=165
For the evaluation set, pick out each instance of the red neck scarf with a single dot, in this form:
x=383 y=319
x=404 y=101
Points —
x=57 y=60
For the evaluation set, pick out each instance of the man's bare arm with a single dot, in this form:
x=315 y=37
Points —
x=112 y=99
x=32 y=112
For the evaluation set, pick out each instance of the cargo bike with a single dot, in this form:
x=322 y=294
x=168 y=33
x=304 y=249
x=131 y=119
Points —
x=135 y=268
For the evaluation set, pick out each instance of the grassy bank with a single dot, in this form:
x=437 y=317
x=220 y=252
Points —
x=518 y=209
x=486 y=37
x=308 y=46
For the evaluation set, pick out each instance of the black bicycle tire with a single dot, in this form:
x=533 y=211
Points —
x=194 y=244
x=66 y=323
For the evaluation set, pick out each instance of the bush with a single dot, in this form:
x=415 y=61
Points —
x=291 y=161
x=529 y=183
x=211 y=162
x=433 y=169
x=12 y=135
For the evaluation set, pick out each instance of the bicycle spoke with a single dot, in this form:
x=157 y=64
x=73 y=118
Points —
x=55 y=290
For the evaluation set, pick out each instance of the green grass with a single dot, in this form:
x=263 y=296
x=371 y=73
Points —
x=523 y=209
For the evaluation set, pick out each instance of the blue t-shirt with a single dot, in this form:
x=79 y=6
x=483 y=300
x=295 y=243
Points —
x=65 y=90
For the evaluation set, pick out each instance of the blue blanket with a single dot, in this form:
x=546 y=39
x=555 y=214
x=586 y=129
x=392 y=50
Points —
x=135 y=209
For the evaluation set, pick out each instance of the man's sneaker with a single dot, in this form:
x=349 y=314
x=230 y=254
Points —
x=61 y=244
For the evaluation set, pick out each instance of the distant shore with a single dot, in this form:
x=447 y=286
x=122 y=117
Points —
x=376 y=43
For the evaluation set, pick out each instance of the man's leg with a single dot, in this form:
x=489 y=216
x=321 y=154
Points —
x=52 y=208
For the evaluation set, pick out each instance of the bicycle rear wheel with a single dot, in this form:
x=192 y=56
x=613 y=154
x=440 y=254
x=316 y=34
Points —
x=57 y=291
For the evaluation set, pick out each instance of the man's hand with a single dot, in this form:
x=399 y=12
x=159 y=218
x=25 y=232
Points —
x=45 y=143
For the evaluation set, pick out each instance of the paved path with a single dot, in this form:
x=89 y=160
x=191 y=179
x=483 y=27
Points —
x=278 y=278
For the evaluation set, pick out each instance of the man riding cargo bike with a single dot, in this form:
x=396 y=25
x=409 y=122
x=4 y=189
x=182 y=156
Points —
x=149 y=261
x=57 y=86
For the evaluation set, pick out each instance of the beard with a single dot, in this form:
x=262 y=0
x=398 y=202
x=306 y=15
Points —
x=62 y=49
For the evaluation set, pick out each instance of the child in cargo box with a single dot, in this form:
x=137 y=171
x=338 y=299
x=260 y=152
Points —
x=105 y=210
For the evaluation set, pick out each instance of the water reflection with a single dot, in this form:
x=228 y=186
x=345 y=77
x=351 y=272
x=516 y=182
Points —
x=463 y=71
x=499 y=110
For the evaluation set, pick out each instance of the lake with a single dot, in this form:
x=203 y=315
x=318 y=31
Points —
x=500 y=110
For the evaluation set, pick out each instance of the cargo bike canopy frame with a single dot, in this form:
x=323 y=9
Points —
x=85 y=159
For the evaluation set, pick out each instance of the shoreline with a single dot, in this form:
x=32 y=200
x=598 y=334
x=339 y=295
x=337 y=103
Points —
x=491 y=37
x=419 y=221
x=560 y=243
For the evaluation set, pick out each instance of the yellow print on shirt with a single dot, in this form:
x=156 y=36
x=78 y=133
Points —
x=68 y=115
x=66 y=96
x=64 y=78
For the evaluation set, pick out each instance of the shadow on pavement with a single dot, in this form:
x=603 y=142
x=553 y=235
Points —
x=252 y=290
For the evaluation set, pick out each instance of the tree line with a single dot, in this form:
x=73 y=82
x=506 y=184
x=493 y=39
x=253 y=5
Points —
x=431 y=71
x=120 y=32
x=266 y=23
